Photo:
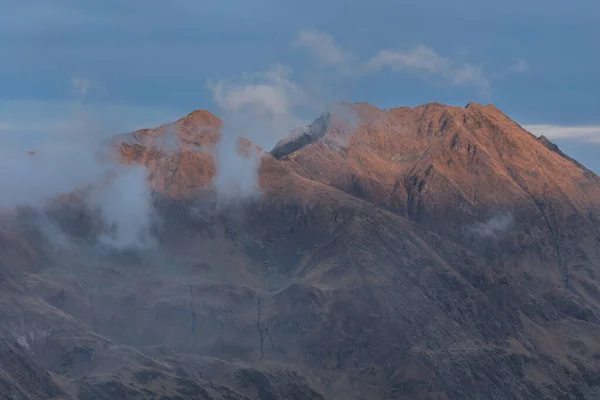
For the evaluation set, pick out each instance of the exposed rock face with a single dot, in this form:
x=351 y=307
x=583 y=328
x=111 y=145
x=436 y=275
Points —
x=303 y=137
x=431 y=253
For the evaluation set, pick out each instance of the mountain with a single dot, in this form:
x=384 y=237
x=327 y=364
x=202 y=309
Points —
x=433 y=252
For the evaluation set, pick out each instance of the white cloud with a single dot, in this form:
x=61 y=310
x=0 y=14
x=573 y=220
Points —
x=520 y=67
x=260 y=108
x=494 y=226
x=268 y=94
x=418 y=59
x=71 y=154
x=324 y=48
x=424 y=59
x=589 y=134
x=263 y=105
x=71 y=160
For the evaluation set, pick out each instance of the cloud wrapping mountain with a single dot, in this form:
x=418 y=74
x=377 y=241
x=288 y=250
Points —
x=78 y=160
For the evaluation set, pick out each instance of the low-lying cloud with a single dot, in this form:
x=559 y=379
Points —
x=125 y=206
x=264 y=108
x=258 y=108
x=262 y=105
x=494 y=226
x=77 y=161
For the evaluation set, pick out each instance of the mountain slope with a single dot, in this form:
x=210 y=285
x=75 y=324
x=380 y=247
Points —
x=451 y=169
x=423 y=253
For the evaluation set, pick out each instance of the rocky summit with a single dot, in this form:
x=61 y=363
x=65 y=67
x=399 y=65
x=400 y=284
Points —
x=434 y=252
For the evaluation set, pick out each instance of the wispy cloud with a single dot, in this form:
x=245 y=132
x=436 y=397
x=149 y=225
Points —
x=589 y=134
x=323 y=47
x=77 y=160
x=426 y=60
x=269 y=93
x=520 y=67
x=469 y=75
x=80 y=85
x=494 y=226
x=264 y=108
x=261 y=107
x=419 y=59
x=262 y=103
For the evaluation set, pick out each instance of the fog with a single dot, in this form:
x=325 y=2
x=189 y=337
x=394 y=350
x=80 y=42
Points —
x=494 y=226
x=265 y=108
x=78 y=160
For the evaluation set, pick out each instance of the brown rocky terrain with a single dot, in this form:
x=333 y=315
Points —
x=433 y=252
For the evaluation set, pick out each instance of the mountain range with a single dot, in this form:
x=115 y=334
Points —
x=434 y=252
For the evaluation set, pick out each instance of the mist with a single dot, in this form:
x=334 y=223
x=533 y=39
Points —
x=78 y=162
x=261 y=108
x=265 y=108
x=494 y=226
x=125 y=206
x=344 y=118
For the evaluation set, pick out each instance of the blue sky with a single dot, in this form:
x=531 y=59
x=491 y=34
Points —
x=121 y=65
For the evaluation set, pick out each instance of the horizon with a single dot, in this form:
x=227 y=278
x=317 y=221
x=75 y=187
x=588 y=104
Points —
x=67 y=68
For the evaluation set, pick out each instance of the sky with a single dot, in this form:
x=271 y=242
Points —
x=114 y=66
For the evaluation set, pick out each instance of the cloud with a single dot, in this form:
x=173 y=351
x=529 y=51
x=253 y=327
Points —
x=589 y=134
x=323 y=47
x=520 y=67
x=424 y=59
x=494 y=226
x=66 y=167
x=345 y=120
x=269 y=96
x=125 y=206
x=264 y=108
x=260 y=108
x=469 y=75
x=420 y=59
x=73 y=157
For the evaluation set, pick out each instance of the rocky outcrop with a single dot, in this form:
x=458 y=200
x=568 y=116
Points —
x=552 y=146
x=302 y=137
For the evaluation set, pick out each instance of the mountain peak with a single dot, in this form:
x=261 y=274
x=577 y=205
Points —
x=201 y=117
x=473 y=104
